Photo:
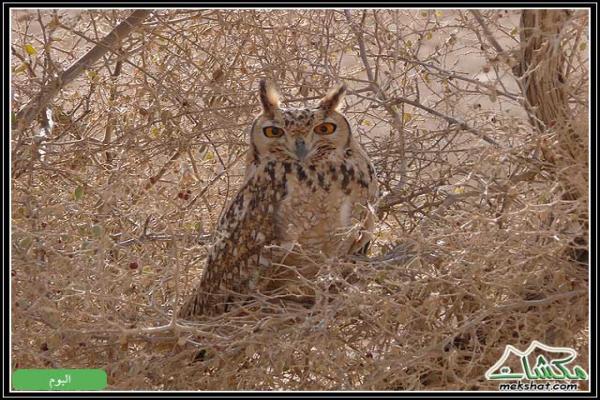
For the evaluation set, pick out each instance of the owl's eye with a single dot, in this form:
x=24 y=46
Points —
x=326 y=128
x=272 y=131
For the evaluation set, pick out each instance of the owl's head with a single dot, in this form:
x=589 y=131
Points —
x=299 y=134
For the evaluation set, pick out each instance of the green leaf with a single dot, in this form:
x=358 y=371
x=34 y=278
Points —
x=97 y=230
x=154 y=132
x=92 y=75
x=20 y=68
x=146 y=269
x=26 y=242
x=29 y=49
x=13 y=118
x=78 y=193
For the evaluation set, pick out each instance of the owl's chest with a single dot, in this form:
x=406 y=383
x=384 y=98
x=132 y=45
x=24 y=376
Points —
x=318 y=204
x=307 y=205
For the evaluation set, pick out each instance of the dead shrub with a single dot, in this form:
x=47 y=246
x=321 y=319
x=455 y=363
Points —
x=117 y=184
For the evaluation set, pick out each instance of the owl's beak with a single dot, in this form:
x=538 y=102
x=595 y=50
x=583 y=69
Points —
x=301 y=150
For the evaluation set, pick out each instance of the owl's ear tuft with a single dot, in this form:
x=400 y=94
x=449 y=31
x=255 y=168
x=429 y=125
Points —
x=333 y=99
x=269 y=97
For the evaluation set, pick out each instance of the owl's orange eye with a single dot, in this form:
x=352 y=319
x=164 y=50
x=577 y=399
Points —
x=273 y=132
x=326 y=128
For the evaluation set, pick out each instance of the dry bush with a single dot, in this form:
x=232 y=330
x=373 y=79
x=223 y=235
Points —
x=117 y=184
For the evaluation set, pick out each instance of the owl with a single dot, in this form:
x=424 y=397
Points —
x=308 y=196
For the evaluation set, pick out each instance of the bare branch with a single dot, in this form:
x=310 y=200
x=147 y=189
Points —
x=30 y=111
x=486 y=31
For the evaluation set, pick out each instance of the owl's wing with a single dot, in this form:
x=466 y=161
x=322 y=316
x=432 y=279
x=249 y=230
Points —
x=369 y=197
x=233 y=261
